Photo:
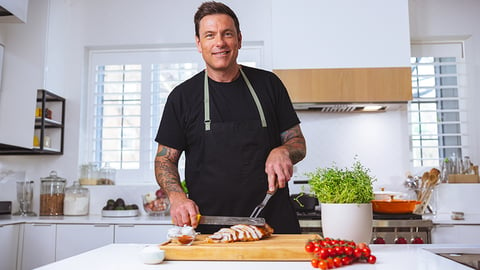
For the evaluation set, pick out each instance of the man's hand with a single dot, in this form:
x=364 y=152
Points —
x=183 y=211
x=279 y=164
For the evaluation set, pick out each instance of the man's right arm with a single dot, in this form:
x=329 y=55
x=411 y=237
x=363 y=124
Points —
x=182 y=210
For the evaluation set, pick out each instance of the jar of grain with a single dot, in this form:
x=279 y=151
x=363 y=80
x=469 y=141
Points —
x=76 y=201
x=52 y=195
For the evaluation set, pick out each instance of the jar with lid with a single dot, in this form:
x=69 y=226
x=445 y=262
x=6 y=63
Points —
x=107 y=175
x=77 y=200
x=52 y=195
x=89 y=174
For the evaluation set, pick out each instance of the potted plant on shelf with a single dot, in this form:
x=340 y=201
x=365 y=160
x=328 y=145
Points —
x=345 y=196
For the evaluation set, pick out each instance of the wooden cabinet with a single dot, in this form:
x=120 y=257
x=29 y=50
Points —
x=8 y=246
x=144 y=234
x=73 y=239
x=347 y=84
x=38 y=246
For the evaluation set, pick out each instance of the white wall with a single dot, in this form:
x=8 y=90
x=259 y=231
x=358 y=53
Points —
x=380 y=140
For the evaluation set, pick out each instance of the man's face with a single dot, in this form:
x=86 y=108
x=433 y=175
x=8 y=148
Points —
x=219 y=42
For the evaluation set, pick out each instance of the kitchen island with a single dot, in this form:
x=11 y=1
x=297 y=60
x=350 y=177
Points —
x=389 y=257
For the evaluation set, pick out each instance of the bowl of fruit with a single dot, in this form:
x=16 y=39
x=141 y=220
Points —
x=156 y=203
x=118 y=208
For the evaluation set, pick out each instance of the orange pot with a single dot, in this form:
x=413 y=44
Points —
x=394 y=206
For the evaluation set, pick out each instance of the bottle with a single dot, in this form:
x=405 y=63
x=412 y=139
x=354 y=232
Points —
x=77 y=200
x=107 y=175
x=52 y=194
x=467 y=165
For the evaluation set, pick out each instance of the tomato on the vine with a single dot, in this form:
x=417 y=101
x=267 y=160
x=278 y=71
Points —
x=348 y=250
x=322 y=265
x=337 y=261
x=357 y=252
x=323 y=254
x=366 y=252
x=314 y=262
x=347 y=260
x=309 y=247
x=339 y=250
x=371 y=259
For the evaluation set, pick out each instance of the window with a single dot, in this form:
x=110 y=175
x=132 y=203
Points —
x=436 y=116
x=126 y=94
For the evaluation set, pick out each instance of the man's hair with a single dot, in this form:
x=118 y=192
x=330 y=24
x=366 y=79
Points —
x=210 y=8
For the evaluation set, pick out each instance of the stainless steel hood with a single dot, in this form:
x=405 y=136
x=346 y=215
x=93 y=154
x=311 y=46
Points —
x=349 y=107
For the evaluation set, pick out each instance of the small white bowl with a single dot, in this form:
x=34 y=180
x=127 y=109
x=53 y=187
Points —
x=152 y=255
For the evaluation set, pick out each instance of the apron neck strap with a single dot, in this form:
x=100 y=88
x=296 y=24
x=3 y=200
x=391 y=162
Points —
x=206 y=101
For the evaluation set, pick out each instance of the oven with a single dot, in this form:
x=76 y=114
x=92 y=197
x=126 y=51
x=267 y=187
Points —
x=387 y=228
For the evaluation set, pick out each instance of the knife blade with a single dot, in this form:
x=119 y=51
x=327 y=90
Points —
x=226 y=220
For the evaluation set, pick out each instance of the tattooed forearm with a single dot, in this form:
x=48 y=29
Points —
x=166 y=169
x=294 y=141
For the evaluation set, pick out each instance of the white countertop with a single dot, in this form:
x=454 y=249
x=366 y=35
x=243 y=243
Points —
x=389 y=257
x=91 y=219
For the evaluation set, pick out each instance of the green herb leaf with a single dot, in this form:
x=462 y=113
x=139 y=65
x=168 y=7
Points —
x=336 y=185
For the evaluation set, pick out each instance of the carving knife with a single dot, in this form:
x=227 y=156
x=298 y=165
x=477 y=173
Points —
x=226 y=220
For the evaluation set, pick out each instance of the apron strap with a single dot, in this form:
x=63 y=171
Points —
x=255 y=98
x=206 y=102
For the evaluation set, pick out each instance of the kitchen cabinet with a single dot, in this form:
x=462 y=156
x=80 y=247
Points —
x=456 y=234
x=8 y=246
x=347 y=84
x=144 y=234
x=49 y=123
x=17 y=9
x=73 y=239
x=49 y=127
x=38 y=247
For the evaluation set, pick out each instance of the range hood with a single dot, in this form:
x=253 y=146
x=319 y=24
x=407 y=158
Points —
x=348 y=89
x=349 y=107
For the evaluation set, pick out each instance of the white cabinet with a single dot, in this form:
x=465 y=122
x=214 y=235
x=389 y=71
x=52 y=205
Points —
x=73 y=239
x=18 y=9
x=38 y=247
x=143 y=234
x=8 y=246
x=340 y=34
x=456 y=234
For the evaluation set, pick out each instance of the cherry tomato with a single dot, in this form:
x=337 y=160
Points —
x=330 y=263
x=339 y=250
x=323 y=254
x=337 y=261
x=309 y=247
x=314 y=263
x=357 y=252
x=322 y=265
x=371 y=259
x=362 y=245
x=346 y=260
x=348 y=250
x=366 y=252
x=331 y=251
x=316 y=249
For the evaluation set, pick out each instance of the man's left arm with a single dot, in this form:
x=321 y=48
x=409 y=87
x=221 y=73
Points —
x=279 y=164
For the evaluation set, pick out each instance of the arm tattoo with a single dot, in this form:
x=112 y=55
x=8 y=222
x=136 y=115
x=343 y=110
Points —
x=166 y=169
x=294 y=141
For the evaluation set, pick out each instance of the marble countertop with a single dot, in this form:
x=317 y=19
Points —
x=391 y=257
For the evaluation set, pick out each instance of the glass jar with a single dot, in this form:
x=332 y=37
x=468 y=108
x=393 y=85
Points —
x=107 y=175
x=77 y=200
x=89 y=174
x=52 y=195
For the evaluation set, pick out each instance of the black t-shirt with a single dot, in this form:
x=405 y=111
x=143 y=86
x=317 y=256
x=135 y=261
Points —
x=182 y=125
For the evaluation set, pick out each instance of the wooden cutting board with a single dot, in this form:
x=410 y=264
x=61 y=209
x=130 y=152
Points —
x=278 y=247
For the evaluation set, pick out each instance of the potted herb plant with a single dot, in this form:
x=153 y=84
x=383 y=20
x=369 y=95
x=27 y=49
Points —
x=345 y=196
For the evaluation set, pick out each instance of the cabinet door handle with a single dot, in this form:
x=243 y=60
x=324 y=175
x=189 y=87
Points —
x=101 y=225
x=126 y=225
x=42 y=224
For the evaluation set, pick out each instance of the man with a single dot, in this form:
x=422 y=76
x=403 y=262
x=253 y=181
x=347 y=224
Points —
x=238 y=129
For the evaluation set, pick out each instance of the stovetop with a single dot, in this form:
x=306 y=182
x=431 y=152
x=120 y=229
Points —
x=312 y=215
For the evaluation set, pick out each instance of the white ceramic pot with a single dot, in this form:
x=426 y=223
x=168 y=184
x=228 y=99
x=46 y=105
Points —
x=347 y=221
